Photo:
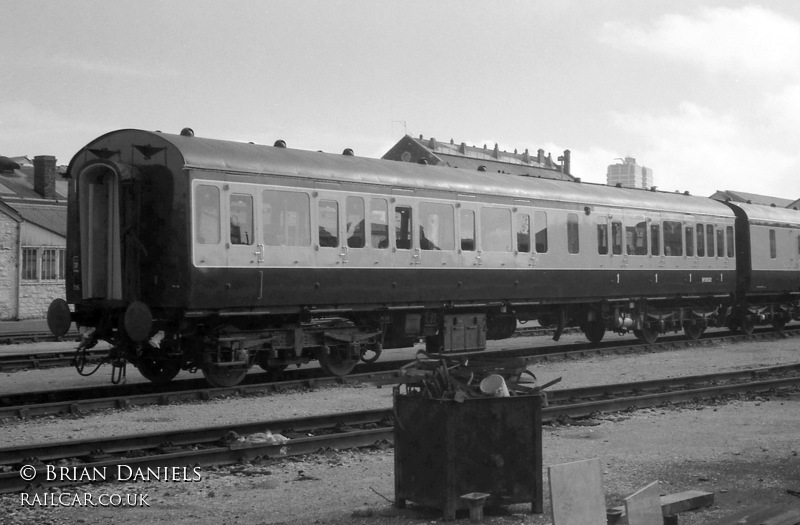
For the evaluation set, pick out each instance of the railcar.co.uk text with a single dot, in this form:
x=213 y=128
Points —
x=83 y=474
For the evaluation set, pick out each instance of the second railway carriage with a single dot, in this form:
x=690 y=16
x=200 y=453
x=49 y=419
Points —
x=768 y=266
x=192 y=253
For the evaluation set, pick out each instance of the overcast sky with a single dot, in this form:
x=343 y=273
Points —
x=705 y=93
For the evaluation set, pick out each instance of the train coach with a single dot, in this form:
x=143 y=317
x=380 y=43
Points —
x=193 y=253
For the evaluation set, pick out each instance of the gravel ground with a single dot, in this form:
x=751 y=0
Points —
x=744 y=450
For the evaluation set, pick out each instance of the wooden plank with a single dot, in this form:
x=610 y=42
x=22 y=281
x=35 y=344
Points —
x=683 y=501
x=643 y=507
x=576 y=493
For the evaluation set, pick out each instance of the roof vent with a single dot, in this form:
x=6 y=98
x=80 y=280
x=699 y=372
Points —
x=481 y=168
x=423 y=162
x=348 y=152
x=619 y=185
x=187 y=132
x=686 y=192
x=280 y=143
x=773 y=205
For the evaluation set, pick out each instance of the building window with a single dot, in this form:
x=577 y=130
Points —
x=49 y=264
x=43 y=264
x=29 y=264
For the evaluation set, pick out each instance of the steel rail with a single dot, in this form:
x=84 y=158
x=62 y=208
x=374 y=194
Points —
x=80 y=400
x=211 y=453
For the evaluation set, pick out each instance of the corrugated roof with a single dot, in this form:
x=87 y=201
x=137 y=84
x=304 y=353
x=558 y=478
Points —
x=51 y=217
x=21 y=186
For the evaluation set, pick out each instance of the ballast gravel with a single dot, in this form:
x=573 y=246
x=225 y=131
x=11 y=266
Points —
x=742 y=449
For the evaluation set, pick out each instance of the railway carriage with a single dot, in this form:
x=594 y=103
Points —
x=768 y=266
x=192 y=253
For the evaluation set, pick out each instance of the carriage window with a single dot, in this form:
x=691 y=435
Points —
x=496 y=229
x=636 y=239
x=241 y=219
x=616 y=238
x=673 y=238
x=573 y=233
x=709 y=240
x=602 y=236
x=402 y=227
x=729 y=238
x=379 y=224
x=328 y=224
x=206 y=216
x=285 y=218
x=701 y=241
x=356 y=233
x=524 y=233
x=773 y=248
x=467 y=223
x=540 y=223
x=690 y=241
x=436 y=229
x=655 y=239
x=720 y=244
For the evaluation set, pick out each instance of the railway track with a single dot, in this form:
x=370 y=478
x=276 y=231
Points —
x=230 y=444
x=79 y=400
x=33 y=361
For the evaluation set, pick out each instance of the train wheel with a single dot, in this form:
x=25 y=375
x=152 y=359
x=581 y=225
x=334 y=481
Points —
x=158 y=371
x=746 y=325
x=693 y=330
x=372 y=353
x=647 y=335
x=224 y=376
x=594 y=331
x=336 y=360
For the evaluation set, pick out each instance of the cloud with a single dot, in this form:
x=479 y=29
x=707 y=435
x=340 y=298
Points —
x=750 y=39
x=699 y=150
x=783 y=108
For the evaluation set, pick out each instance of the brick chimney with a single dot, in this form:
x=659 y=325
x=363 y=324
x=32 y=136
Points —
x=44 y=176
